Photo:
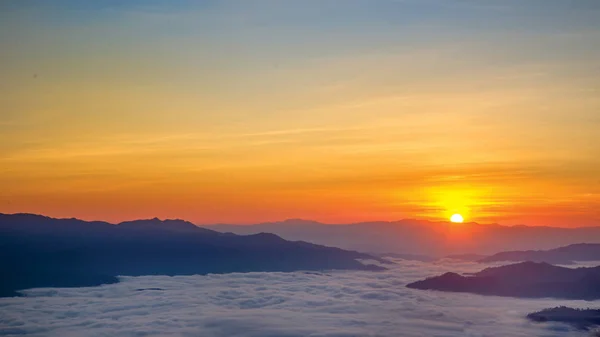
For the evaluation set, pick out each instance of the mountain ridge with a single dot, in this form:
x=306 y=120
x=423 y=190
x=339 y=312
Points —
x=39 y=251
x=526 y=279
x=561 y=255
x=423 y=237
x=436 y=239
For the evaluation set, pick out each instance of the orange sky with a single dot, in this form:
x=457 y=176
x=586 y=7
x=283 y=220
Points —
x=235 y=113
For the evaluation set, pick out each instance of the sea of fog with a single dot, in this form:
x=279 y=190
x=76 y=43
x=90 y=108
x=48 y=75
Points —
x=340 y=303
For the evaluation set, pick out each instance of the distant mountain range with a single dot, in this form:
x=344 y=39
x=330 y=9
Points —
x=38 y=251
x=562 y=255
x=525 y=279
x=571 y=254
x=417 y=237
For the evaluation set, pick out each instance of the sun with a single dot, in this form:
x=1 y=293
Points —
x=457 y=218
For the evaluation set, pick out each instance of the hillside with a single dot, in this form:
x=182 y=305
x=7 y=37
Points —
x=526 y=279
x=37 y=251
x=563 y=255
x=420 y=237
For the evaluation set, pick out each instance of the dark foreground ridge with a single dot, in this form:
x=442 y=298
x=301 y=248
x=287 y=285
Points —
x=38 y=251
x=526 y=279
x=583 y=319
x=563 y=255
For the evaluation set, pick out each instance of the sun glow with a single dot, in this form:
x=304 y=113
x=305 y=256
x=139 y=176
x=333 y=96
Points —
x=457 y=218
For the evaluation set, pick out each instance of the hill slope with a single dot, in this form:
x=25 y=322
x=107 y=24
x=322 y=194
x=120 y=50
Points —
x=37 y=251
x=409 y=236
x=562 y=255
x=579 y=318
x=526 y=279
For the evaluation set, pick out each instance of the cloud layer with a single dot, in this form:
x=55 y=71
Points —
x=277 y=304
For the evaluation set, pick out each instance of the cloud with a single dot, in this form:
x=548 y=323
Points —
x=276 y=304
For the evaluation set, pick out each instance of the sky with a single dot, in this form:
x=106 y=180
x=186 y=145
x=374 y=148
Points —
x=236 y=111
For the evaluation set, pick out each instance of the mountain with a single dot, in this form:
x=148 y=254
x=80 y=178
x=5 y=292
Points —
x=562 y=255
x=164 y=225
x=525 y=279
x=437 y=239
x=38 y=251
x=410 y=257
x=466 y=257
x=582 y=319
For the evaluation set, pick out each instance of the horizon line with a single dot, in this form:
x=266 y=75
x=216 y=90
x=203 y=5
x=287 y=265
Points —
x=296 y=219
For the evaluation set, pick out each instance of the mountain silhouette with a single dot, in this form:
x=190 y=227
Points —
x=436 y=239
x=164 y=225
x=38 y=251
x=525 y=279
x=562 y=255
x=466 y=257
x=582 y=319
